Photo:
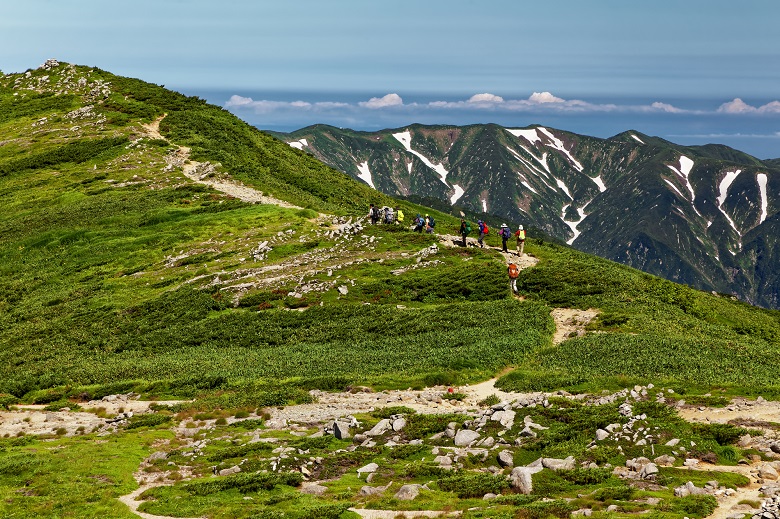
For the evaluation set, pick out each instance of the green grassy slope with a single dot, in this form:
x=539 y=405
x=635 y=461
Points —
x=117 y=270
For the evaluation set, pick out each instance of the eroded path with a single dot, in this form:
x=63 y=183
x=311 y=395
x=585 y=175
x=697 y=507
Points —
x=205 y=173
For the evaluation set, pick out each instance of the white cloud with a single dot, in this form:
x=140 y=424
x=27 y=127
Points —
x=545 y=97
x=265 y=106
x=485 y=98
x=738 y=106
x=665 y=107
x=383 y=102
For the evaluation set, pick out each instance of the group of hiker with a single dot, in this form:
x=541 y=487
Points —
x=394 y=215
x=505 y=233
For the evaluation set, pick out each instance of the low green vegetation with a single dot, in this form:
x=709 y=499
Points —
x=120 y=275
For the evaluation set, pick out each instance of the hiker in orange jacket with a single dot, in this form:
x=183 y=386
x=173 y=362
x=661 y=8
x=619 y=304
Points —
x=513 y=271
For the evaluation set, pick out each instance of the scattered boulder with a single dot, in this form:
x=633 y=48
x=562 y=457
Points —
x=559 y=464
x=465 y=437
x=767 y=471
x=521 y=480
x=506 y=458
x=368 y=469
x=408 y=492
x=665 y=460
x=229 y=471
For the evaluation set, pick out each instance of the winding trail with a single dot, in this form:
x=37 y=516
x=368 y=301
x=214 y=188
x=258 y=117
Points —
x=191 y=169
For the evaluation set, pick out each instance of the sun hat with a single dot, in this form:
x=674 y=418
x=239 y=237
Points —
x=521 y=227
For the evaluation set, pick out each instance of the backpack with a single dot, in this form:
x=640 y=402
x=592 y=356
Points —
x=505 y=232
x=513 y=271
x=431 y=222
x=468 y=227
x=486 y=229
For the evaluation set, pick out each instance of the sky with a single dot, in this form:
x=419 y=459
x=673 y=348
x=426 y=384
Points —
x=692 y=71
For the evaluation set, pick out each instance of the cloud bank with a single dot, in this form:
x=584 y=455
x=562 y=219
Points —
x=537 y=102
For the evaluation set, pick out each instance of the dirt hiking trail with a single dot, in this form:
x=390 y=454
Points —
x=204 y=173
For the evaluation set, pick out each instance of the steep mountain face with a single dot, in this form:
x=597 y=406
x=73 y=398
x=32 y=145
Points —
x=703 y=215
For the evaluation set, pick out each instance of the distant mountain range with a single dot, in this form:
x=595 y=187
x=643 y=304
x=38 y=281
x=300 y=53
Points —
x=707 y=216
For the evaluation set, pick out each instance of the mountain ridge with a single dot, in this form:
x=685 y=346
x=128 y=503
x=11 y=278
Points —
x=698 y=201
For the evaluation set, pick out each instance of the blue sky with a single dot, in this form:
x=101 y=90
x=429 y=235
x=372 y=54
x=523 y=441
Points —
x=688 y=70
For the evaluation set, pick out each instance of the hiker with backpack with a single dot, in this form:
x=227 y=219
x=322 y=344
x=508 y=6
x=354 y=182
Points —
x=399 y=216
x=520 y=234
x=505 y=233
x=514 y=271
x=465 y=229
x=389 y=215
x=483 y=230
x=418 y=223
x=373 y=214
x=430 y=223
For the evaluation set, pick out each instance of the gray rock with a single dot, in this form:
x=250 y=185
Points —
x=232 y=470
x=767 y=471
x=506 y=459
x=443 y=461
x=601 y=435
x=314 y=489
x=380 y=428
x=775 y=447
x=341 y=430
x=649 y=470
x=672 y=443
x=399 y=424
x=465 y=437
x=370 y=468
x=559 y=464
x=521 y=480
x=665 y=460
x=408 y=492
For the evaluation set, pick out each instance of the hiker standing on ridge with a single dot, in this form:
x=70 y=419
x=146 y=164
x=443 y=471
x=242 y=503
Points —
x=430 y=223
x=418 y=223
x=482 y=232
x=513 y=271
x=505 y=234
x=465 y=228
x=520 y=234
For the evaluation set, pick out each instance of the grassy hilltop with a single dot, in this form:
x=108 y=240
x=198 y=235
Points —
x=126 y=267
x=116 y=268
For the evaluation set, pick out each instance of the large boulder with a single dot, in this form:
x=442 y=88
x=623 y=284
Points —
x=559 y=464
x=521 y=479
x=465 y=437
x=408 y=492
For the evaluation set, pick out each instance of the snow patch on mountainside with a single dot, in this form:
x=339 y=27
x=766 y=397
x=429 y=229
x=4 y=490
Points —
x=600 y=183
x=761 y=178
x=564 y=188
x=484 y=205
x=528 y=186
x=365 y=174
x=558 y=145
x=674 y=187
x=530 y=135
x=725 y=184
x=541 y=174
x=686 y=165
x=405 y=138
x=637 y=139
x=573 y=225
x=723 y=190
x=299 y=144
x=458 y=193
